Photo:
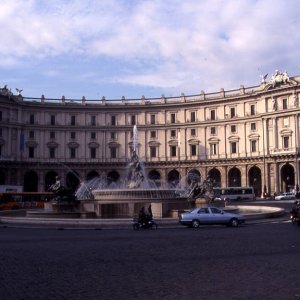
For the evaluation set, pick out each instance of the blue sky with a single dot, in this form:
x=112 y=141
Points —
x=130 y=48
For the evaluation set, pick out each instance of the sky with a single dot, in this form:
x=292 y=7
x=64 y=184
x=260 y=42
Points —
x=136 y=48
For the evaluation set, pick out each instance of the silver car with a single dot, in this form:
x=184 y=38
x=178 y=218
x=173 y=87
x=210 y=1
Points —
x=210 y=215
x=286 y=196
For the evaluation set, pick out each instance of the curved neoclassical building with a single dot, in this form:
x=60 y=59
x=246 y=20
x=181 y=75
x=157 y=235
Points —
x=243 y=137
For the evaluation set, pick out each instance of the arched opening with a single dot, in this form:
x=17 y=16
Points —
x=254 y=176
x=215 y=176
x=92 y=175
x=173 y=178
x=30 y=182
x=234 y=177
x=154 y=176
x=287 y=178
x=50 y=179
x=112 y=177
x=72 y=181
x=193 y=176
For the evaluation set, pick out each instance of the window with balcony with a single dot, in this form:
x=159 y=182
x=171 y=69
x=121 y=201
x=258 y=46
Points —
x=213 y=149
x=233 y=147
x=286 y=142
x=173 y=151
x=152 y=151
x=31 y=152
x=253 y=146
x=113 y=152
x=193 y=150
x=72 y=152
x=51 y=152
x=93 y=152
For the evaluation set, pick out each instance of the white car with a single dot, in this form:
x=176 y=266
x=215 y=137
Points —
x=286 y=196
x=210 y=215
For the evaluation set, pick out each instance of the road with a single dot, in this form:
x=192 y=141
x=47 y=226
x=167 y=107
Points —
x=255 y=261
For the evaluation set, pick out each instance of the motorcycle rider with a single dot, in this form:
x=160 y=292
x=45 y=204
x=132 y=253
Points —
x=142 y=216
x=295 y=209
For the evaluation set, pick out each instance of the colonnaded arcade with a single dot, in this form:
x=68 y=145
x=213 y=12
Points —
x=243 y=137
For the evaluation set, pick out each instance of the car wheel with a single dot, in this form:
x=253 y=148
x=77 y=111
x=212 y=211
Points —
x=195 y=224
x=234 y=222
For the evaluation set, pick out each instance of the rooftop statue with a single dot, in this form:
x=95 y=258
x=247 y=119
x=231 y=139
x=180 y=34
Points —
x=279 y=77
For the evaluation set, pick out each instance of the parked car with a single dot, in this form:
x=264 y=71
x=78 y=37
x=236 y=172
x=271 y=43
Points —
x=210 y=215
x=286 y=196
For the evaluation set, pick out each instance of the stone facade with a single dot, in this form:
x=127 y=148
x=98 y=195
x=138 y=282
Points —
x=243 y=137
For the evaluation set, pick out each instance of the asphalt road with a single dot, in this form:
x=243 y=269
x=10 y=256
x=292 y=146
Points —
x=256 y=261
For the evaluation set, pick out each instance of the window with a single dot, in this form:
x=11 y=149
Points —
x=93 y=152
x=0 y=131
x=133 y=120
x=193 y=116
x=152 y=151
x=252 y=109
x=152 y=119
x=31 y=152
x=253 y=126
x=233 y=146
x=213 y=149
x=232 y=112
x=113 y=120
x=0 y=115
x=213 y=130
x=52 y=134
x=173 y=151
x=73 y=135
x=52 y=152
x=285 y=142
x=284 y=104
x=31 y=119
x=173 y=133
x=213 y=114
x=113 y=152
x=93 y=120
x=52 y=120
x=173 y=118
x=31 y=134
x=93 y=135
x=193 y=150
x=193 y=131
x=73 y=120
x=232 y=128
x=253 y=146
x=153 y=134
x=72 y=152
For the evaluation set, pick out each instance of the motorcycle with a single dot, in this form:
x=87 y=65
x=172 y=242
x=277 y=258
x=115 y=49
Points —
x=295 y=217
x=147 y=224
